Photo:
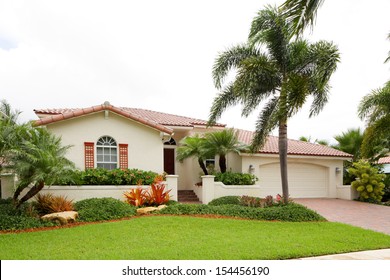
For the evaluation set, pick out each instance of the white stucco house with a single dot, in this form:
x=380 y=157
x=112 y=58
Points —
x=385 y=161
x=118 y=137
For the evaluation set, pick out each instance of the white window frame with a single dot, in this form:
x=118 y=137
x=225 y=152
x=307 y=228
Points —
x=107 y=153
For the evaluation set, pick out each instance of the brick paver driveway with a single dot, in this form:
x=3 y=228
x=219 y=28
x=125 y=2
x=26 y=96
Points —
x=365 y=215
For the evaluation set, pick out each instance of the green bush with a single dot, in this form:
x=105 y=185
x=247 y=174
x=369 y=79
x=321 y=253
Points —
x=386 y=189
x=291 y=212
x=368 y=181
x=100 y=176
x=22 y=218
x=99 y=209
x=225 y=200
x=231 y=178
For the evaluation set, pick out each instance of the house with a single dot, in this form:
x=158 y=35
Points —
x=385 y=161
x=118 y=137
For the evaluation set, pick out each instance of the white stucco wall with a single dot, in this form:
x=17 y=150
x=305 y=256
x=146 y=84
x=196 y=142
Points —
x=145 y=147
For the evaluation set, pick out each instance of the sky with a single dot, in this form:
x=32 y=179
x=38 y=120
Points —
x=159 y=55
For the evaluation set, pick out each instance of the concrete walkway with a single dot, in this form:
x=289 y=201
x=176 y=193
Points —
x=361 y=214
x=364 y=255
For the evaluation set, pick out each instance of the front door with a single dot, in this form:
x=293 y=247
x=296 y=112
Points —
x=169 y=161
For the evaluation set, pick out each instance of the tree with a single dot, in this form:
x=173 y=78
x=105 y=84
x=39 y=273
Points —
x=317 y=141
x=194 y=146
x=40 y=160
x=350 y=142
x=301 y=13
x=273 y=68
x=9 y=131
x=223 y=142
x=375 y=109
x=388 y=58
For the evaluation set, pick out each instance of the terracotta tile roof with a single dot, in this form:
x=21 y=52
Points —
x=295 y=147
x=157 y=120
x=384 y=160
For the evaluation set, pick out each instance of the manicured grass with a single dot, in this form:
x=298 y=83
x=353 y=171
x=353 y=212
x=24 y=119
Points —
x=185 y=238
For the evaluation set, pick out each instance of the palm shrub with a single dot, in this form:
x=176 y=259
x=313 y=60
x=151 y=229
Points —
x=368 y=181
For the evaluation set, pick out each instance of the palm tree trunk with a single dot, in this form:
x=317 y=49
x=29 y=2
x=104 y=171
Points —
x=283 y=158
x=33 y=191
x=222 y=163
x=203 y=166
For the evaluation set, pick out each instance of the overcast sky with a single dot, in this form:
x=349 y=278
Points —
x=158 y=55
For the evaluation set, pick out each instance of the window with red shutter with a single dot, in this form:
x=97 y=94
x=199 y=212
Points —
x=123 y=156
x=89 y=156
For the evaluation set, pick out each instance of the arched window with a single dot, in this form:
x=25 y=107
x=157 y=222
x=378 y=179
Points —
x=106 y=153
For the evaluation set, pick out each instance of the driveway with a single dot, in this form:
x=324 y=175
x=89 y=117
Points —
x=365 y=215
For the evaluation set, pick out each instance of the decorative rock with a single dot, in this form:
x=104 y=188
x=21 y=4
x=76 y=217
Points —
x=63 y=217
x=146 y=210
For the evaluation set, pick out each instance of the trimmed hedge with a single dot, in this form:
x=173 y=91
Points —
x=225 y=200
x=232 y=178
x=291 y=212
x=100 y=209
x=100 y=176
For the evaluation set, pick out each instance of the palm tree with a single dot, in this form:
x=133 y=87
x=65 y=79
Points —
x=350 y=142
x=194 y=146
x=40 y=160
x=274 y=69
x=223 y=142
x=375 y=109
x=9 y=131
x=301 y=13
x=388 y=58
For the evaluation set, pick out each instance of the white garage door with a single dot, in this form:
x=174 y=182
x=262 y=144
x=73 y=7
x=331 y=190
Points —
x=305 y=180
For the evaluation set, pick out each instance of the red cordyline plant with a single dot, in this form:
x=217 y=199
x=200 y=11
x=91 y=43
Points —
x=136 y=197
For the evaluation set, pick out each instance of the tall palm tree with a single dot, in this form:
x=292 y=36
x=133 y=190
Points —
x=194 y=146
x=223 y=142
x=40 y=160
x=272 y=68
x=301 y=13
x=375 y=109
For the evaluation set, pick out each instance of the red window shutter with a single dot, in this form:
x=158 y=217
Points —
x=123 y=156
x=89 y=155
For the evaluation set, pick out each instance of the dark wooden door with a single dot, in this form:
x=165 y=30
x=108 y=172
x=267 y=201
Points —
x=169 y=161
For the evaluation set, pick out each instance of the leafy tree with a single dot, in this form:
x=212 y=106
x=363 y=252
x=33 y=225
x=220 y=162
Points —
x=39 y=160
x=273 y=68
x=375 y=109
x=223 y=142
x=194 y=146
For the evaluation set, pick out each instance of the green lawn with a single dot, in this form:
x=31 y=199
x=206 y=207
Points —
x=185 y=238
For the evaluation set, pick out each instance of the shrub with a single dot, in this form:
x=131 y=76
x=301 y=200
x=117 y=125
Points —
x=251 y=201
x=386 y=189
x=368 y=181
x=291 y=212
x=98 y=209
x=231 y=178
x=22 y=218
x=136 y=197
x=157 y=194
x=225 y=200
x=101 y=176
x=49 y=203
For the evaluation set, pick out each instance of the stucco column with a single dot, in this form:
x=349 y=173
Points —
x=172 y=185
x=7 y=185
x=207 y=188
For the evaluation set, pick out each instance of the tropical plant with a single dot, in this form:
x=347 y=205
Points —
x=388 y=58
x=368 y=181
x=223 y=142
x=49 y=203
x=375 y=109
x=275 y=69
x=39 y=160
x=136 y=196
x=194 y=146
x=317 y=141
x=157 y=195
x=350 y=142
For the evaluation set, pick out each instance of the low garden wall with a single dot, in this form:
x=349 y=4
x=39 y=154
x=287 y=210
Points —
x=77 y=193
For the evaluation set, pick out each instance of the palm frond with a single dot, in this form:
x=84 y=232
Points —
x=301 y=13
x=230 y=59
x=224 y=100
x=266 y=122
x=376 y=104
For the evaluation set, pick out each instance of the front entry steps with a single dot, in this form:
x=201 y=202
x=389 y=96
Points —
x=187 y=196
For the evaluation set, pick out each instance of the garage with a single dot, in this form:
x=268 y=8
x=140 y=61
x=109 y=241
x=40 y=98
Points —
x=305 y=180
